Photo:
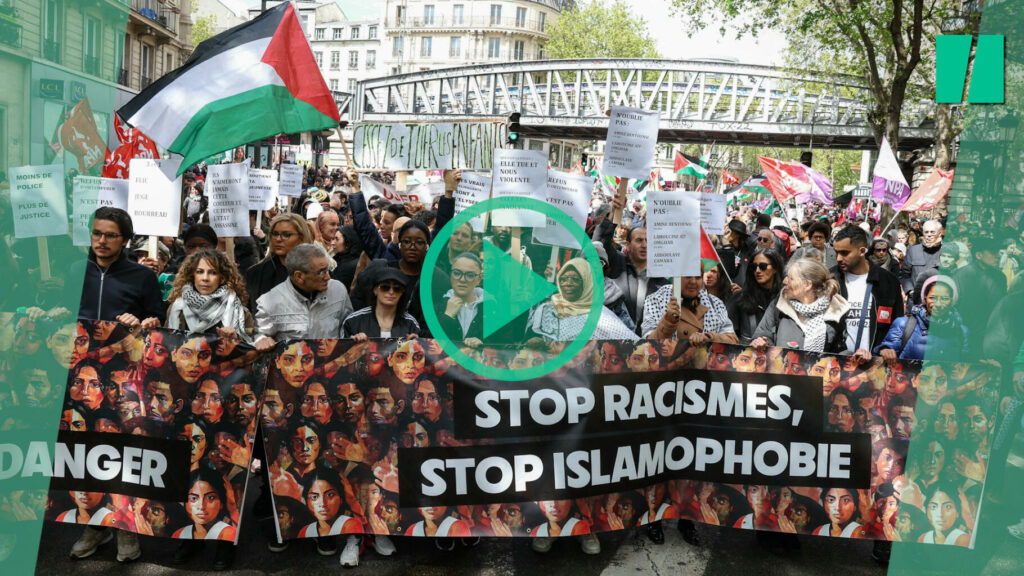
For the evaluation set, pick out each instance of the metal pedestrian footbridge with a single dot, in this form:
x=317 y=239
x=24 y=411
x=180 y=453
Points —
x=699 y=101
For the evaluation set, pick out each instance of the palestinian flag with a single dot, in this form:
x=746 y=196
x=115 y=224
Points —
x=757 y=184
x=687 y=166
x=705 y=157
x=256 y=80
x=708 y=255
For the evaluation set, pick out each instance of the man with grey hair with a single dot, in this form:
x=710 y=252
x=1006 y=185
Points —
x=922 y=257
x=309 y=305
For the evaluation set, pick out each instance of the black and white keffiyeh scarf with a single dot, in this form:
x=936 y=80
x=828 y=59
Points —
x=812 y=322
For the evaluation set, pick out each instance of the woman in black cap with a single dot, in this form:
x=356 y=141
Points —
x=385 y=317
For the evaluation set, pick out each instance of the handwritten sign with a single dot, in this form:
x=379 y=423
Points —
x=227 y=185
x=571 y=193
x=262 y=189
x=673 y=234
x=89 y=193
x=712 y=212
x=632 y=137
x=524 y=174
x=473 y=189
x=423 y=193
x=154 y=196
x=427 y=146
x=291 y=180
x=38 y=201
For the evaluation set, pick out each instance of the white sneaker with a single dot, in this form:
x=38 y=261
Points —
x=127 y=546
x=350 y=554
x=383 y=545
x=91 y=540
x=542 y=544
x=590 y=544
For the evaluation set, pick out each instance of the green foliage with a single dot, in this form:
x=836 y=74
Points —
x=600 y=30
x=203 y=28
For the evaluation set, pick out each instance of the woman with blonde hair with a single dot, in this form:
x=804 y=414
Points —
x=808 y=315
x=287 y=231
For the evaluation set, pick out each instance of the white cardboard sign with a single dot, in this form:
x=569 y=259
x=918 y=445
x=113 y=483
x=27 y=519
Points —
x=262 y=189
x=89 y=193
x=291 y=180
x=227 y=185
x=673 y=234
x=522 y=174
x=570 y=193
x=473 y=188
x=632 y=138
x=154 y=196
x=38 y=201
x=712 y=212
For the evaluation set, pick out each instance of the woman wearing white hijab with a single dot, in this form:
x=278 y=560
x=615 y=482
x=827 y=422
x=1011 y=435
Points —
x=562 y=317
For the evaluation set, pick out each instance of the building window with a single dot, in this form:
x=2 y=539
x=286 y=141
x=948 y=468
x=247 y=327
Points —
x=352 y=85
x=92 y=43
x=319 y=33
x=520 y=17
x=426 y=47
x=541 y=17
x=305 y=23
x=495 y=14
x=457 y=12
x=398 y=47
x=371 y=59
x=353 y=59
x=335 y=60
x=146 y=65
x=334 y=85
x=319 y=57
x=455 y=50
x=372 y=35
x=428 y=14
x=400 y=14
x=52 y=26
x=517 y=50
x=493 y=47
x=354 y=35
x=337 y=34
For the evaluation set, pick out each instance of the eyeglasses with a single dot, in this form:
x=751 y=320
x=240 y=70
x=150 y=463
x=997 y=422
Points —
x=762 y=266
x=396 y=288
x=96 y=235
x=406 y=243
x=464 y=275
x=321 y=272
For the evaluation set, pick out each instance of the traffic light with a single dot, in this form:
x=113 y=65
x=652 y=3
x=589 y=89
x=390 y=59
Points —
x=512 y=128
x=805 y=158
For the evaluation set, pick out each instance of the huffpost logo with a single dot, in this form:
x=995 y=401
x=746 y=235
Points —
x=952 y=55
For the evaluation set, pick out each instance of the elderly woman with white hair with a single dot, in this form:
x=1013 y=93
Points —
x=808 y=315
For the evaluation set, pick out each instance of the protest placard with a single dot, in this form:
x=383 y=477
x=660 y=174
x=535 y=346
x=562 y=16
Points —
x=673 y=234
x=427 y=146
x=227 y=186
x=629 y=148
x=90 y=193
x=262 y=189
x=38 y=201
x=712 y=212
x=473 y=188
x=519 y=173
x=291 y=180
x=154 y=196
x=571 y=193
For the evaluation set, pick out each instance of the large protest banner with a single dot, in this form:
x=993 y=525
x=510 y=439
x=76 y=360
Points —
x=156 y=431
x=427 y=146
x=780 y=440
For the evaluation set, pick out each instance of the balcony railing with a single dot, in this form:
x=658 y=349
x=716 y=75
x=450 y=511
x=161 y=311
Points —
x=535 y=26
x=10 y=31
x=122 y=76
x=162 y=14
x=51 y=51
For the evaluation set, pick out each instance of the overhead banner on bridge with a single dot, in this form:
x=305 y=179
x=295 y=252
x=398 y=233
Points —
x=427 y=146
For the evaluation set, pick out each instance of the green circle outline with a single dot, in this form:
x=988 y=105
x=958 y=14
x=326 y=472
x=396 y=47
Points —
x=474 y=365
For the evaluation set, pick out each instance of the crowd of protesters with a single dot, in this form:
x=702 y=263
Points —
x=334 y=263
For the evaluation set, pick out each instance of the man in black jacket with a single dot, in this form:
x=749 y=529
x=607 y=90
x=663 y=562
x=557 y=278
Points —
x=629 y=271
x=859 y=278
x=981 y=286
x=115 y=287
x=737 y=251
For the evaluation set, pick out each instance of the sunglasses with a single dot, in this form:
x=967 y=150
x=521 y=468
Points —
x=762 y=266
x=881 y=250
x=396 y=288
x=764 y=240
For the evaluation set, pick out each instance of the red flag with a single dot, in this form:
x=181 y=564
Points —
x=80 y=137
x=134 y=144
x=787 y=179
x=729 y=179
x=929 y=194
x=708 y=254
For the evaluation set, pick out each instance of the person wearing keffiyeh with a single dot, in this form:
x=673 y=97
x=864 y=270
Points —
x=808 y=315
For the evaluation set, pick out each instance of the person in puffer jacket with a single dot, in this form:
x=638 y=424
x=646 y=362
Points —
x=935 y=320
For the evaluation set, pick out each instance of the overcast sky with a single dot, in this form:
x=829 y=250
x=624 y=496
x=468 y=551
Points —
x=666 y=29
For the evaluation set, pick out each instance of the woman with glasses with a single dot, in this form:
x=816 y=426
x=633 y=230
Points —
x=385 y=317
x=935 y=320
x=462 y=312
x=761 y=285
x=809 y=314
x=286 y=232
x=880 y=256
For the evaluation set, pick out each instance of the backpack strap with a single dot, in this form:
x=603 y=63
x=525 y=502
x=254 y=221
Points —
x=908 y=331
